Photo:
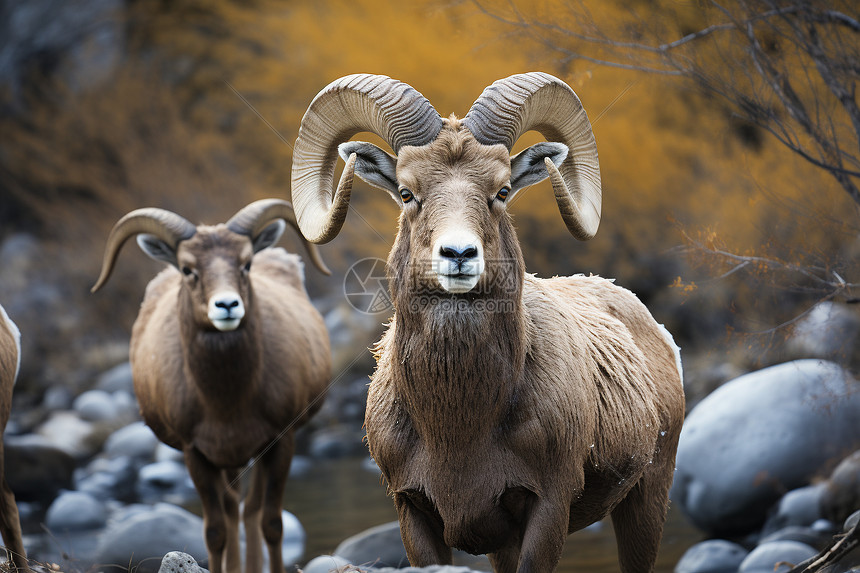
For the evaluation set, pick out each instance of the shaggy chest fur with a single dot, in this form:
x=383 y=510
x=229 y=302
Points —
x=471 y=428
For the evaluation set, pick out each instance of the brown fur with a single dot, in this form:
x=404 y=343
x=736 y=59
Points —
x=10 y=526
x=501 y=429
x=227 y=397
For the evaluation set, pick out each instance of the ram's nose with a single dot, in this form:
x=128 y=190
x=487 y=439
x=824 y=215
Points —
x=458 y=253
x=226 y=310
x=458 y=260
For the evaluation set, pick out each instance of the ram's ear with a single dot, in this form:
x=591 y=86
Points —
x=269 y=235
x=373 y=165
x=157 y=249
x=527 y=166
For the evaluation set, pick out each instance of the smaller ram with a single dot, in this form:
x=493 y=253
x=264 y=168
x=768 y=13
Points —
x=228 y=358
x=10 y=362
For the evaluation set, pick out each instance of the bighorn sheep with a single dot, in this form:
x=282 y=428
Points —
x=506 y=411
x=228 y=359
x=10 y=363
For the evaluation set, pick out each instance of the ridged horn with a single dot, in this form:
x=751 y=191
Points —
x=538 y=101
x=391 y=109
x=166 y=225
x=253 y=218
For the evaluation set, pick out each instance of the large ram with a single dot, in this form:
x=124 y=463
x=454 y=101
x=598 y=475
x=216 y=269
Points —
x=228 y=359
x=506 y=410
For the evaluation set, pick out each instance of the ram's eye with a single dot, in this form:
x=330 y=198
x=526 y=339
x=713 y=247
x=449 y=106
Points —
x=247 y=267
x=186 y=270
x=503 y=193
x=406 y=195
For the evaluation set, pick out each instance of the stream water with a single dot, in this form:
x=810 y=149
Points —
x=339 y=498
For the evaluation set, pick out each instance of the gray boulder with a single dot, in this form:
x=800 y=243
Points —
x=116 y=379
x=135 y=441
x=67 y=431
x=36 y=470
x=841 y=494
x=800 y=506
x=75 y=511
x=380 y=546
x=759 y=435
x=108 y=478
x=712 y=556
x=167 y=481
x=141 y=538
x=763 y=559
x=96 y=406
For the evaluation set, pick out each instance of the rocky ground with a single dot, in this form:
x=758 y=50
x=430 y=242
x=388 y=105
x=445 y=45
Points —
x=768 y=468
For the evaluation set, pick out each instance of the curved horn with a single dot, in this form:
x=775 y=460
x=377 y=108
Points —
x=389 y=108
x=253 y=218
x=542 y=102
x=166 y=225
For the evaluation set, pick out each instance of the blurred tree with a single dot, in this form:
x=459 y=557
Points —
x=787 y=68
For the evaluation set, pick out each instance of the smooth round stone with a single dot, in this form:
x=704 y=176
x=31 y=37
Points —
x=380 y=545
x=75 y=511
x=800 y=506
x=712 y=556
x=165 y=480
x=325 y=564
x=135 y=440
x=759 y=435
x=764 y=557
x=145 y=535
x=841 y=495
x=117 y=378
x=67 y=431
x=96 y=406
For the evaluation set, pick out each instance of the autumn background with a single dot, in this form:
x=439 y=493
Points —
x=193 y=106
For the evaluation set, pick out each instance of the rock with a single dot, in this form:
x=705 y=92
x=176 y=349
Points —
x=763 y=558
x=75 y=511
x=326 y=564
x=164 y=453
x=830 y=330
x=797 y=507
x=168 y=481
x=36 y=470
x=712 y=556
x=807 y=535
x=108 y=478
x=67 y=431
x=95 y=406
x=824 y=526
x=293 y=543
x=852 y=520
x=126 y=405
x=142 y=537
x=178 y=562
x=759 y=435
x=57 y=398
x=381 y=545
x=336 y=564
x=135 y=441
x=300 y=466
x=841 y=495
x=116 y=379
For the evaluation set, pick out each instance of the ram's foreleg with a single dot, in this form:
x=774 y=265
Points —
x=422 y=536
